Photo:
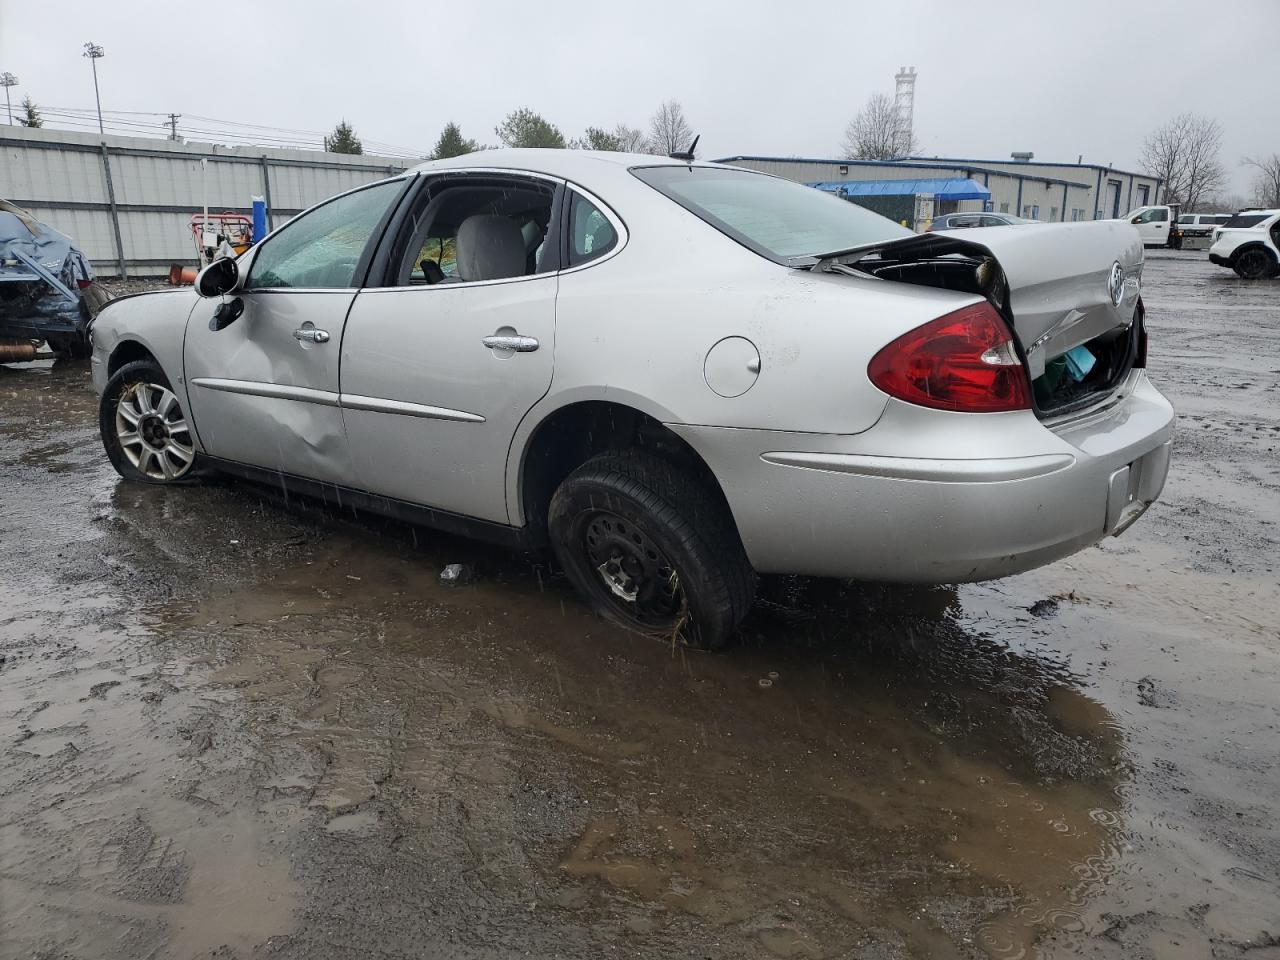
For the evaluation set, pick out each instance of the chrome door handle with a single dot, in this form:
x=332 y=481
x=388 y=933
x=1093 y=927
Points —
x=511 y=342
x=311 y=335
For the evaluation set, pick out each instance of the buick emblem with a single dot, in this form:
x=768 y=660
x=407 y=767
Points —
x=1116 y=284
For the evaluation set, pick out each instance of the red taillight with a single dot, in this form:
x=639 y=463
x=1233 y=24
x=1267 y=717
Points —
x=963 y=361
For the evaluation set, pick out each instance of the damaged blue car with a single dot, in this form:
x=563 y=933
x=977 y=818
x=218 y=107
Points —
x=47 y=290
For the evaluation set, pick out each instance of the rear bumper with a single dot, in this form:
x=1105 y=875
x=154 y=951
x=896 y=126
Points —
x=906 y=501
x=1220 y=260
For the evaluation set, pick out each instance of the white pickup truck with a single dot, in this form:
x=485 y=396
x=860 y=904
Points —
x=1154 y=223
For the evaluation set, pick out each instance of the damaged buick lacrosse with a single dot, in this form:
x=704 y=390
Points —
x=675 y=374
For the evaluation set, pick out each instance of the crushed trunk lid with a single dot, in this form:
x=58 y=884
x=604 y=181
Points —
x=1059 y=285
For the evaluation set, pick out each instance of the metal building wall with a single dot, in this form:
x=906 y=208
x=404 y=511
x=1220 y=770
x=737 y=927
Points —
x=95 y=188
x=1085 y=173
x=1012 y=191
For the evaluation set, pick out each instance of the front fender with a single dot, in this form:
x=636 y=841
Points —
x=157 y=322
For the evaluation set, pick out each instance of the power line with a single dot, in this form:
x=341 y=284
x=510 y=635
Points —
x=231 y=130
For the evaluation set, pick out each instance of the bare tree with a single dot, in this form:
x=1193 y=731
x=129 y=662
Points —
x=630 y=139
x=668 y=129
x=875 y=132
x=1226 y=203
x=1184 y=153
x=1266 y=182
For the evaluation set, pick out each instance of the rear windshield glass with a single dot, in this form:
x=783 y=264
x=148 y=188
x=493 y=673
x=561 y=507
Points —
x=1247 y=219
x=776 y=218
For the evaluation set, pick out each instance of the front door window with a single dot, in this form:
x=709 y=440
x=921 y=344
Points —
x=322 y=249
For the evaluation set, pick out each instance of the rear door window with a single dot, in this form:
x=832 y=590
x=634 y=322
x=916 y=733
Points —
x=466 y=228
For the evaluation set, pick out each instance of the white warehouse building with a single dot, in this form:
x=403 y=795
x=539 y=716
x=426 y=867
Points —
x=1051 y=192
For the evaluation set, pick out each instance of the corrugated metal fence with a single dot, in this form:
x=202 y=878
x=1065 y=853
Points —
x=127 y=201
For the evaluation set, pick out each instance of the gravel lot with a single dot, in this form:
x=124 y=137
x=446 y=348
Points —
x=232 y=727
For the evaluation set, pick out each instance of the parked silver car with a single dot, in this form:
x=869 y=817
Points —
x=676 y=374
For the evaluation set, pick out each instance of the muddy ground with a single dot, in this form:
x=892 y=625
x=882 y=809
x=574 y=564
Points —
x=232 y=727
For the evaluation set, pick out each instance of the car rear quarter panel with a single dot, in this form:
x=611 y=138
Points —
x=643 y=322
x=636 y=329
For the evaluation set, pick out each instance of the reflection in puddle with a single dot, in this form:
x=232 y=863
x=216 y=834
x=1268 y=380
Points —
x=319 y=733
x=899 y=776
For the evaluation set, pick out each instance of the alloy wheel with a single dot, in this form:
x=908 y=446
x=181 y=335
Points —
x=153 y=431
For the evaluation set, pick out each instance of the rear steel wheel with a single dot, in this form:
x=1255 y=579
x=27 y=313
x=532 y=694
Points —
x=640 y=581
x=651 y=546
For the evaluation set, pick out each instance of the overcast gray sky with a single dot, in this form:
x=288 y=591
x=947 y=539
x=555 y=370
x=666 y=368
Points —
x=1061 y=79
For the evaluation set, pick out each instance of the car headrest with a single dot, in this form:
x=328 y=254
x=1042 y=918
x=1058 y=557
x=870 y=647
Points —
x=490 y=247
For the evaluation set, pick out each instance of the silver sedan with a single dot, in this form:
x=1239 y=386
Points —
x=674 y=374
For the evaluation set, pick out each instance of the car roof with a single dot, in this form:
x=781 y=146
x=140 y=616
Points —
x=569 y=164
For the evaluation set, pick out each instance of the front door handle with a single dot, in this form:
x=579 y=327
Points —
x=513 y=342
x=311 y=335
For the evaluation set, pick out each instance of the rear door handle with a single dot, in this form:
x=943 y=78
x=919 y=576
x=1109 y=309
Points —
x=311 y=335
x=511 y=342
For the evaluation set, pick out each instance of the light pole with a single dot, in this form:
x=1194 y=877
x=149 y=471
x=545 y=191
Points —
x=8 y=80
x=95 y=52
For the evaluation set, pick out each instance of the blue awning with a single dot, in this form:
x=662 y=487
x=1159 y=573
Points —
x=942 y=189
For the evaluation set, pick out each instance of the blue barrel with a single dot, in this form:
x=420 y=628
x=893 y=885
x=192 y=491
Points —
x=259 y=218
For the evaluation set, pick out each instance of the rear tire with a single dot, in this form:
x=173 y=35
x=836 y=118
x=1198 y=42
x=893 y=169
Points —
x=651 y=548
x=1255 y=264
x=144 y=429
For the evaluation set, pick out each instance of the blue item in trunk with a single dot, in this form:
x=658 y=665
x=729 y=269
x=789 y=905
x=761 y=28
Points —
x=1079 y=362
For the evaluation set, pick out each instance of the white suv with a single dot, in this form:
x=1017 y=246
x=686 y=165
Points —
x=1248 y=244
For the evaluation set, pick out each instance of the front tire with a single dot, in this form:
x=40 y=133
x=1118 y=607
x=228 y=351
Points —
x=144 y=428
x=1255 y=264
x=651 y=548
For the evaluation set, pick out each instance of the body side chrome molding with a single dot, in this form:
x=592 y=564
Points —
x=405 y=409
x=994 y=470
x=275 y=391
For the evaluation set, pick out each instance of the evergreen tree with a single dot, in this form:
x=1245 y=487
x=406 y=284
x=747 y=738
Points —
x=524 y=128
x=32 y=118
x=343 y=140
x=452 y=143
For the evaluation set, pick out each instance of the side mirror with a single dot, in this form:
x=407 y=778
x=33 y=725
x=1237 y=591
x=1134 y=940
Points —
x=1137 y=219
x=221 y=276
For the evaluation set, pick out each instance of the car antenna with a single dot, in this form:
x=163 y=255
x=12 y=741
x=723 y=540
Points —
x=686 y=155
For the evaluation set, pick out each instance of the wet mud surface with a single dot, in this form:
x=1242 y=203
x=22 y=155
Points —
x=232 y=727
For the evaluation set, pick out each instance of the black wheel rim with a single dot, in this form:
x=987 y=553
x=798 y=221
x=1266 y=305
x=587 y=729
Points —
x=1251 y=262
x=630 y=571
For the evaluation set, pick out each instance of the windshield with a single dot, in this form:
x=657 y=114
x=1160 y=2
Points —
x=776 y=218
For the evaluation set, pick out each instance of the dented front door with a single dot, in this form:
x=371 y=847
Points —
x=264 y=390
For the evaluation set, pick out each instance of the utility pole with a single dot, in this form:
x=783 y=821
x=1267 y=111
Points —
x=95 y=53
x=173 y=125
x=8 y=80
